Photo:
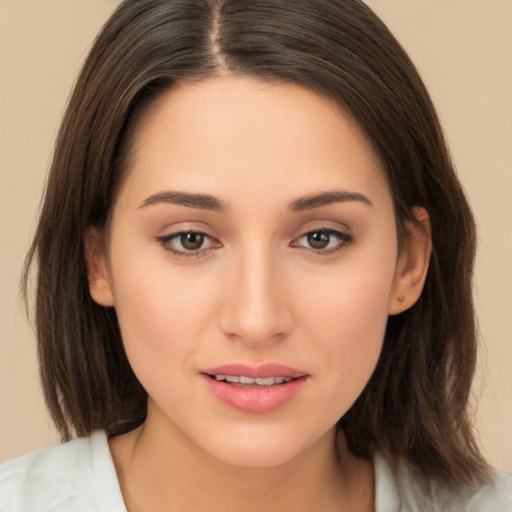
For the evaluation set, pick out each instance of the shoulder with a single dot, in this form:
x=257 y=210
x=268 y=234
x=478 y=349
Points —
x=76 y=476
x=405 y=490
x=427 y=496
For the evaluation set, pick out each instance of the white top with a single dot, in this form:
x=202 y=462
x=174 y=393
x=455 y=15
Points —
x=79 y=476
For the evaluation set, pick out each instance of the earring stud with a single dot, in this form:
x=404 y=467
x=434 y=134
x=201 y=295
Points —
x=401 y=299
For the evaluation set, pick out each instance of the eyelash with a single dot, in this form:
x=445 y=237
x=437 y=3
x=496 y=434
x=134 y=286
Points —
x=344 y=240
x=165 y=241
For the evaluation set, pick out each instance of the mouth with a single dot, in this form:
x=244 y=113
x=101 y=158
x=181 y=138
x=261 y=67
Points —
x=270 y=374
x=253 y=389
x=243 y=381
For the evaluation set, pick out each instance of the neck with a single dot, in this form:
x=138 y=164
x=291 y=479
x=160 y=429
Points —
x=158 y=466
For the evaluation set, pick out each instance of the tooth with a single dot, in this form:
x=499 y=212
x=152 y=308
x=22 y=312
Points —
x=269 y=381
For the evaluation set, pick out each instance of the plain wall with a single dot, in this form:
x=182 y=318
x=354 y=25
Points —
x=463 y=51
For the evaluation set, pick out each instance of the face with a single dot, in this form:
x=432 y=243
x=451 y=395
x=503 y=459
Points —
x=254 y=237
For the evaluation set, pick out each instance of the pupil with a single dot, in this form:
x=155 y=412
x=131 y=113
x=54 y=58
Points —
x=192 y=241
x=318 y=240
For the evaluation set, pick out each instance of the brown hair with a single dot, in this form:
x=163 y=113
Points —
x=416 y=403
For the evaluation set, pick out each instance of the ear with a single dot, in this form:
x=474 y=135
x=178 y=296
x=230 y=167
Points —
x=413 y=262
x=97 y=271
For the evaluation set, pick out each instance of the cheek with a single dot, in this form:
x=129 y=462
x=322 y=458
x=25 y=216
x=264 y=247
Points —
x=162 y=312
x=352 y=324
x=350 y=300
x=346 y=318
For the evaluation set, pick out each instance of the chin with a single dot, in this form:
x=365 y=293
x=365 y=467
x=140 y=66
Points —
x=255 y=457
x=255 y=449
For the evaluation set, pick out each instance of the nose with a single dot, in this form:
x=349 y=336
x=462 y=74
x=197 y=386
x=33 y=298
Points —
x=257 y=309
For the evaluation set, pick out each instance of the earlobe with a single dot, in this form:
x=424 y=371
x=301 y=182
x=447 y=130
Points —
x=413 y=262
x=97 y=272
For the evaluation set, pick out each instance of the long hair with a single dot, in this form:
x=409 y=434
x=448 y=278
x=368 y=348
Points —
x=416 y=403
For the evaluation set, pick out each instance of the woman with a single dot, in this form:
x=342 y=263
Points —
x=254 y=274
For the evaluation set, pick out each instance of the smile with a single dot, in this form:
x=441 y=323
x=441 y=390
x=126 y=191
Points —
x=255 y=390
x=249 y=381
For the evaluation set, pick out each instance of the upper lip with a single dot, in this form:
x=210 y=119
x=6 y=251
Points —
x=256 y=372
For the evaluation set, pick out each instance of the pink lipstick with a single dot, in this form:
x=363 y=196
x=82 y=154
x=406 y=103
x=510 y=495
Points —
x=254 y=389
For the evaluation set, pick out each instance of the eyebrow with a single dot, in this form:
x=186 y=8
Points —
x=326 y=198
x=201 y=201
x=208 y=202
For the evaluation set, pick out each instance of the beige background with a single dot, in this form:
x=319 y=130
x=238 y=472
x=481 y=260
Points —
x=463 y=50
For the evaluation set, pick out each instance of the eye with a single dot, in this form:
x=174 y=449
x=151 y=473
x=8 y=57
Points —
x=187 y=243
x=191 y=241
x=323 y=240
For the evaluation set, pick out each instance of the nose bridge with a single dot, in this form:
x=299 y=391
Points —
x=257 y=310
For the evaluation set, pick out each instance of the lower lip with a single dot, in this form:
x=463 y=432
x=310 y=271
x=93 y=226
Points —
x=255 y=400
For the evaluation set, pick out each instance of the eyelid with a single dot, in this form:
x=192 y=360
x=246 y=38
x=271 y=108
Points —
x=344 y=237
x=166 y=239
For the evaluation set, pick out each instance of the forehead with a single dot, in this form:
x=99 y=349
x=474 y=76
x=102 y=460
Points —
x=242 y=130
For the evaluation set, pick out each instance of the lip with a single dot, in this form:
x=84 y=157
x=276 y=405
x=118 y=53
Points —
x=256 y=372
x=255 y=399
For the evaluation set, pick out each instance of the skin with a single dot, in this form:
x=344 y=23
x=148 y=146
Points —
x=256 y=292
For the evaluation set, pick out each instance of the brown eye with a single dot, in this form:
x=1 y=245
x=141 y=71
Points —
x=323 y=241
x=192 y=241
x=318 y=239
x=188 y=243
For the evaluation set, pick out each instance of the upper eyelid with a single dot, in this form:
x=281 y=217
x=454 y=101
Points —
x=184 y=232
x=345 y=231
x=324 y=229
x=178 y=228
